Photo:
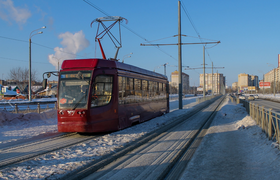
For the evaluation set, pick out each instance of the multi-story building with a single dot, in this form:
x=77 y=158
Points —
x=244 y=80
x=255 y=81
x=247 y=82
x=273 y=76
x=217 y=82
x=175 y=79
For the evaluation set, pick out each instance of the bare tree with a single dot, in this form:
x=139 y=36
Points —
x=21 y=76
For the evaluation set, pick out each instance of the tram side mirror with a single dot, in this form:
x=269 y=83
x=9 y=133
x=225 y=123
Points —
x=44 y=83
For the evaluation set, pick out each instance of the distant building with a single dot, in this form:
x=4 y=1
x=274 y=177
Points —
x=234 y=86
x=185 y=81
x=274 y=76
x=271 y=75
x=246 y=82
x=255 y=81
x=217 y=82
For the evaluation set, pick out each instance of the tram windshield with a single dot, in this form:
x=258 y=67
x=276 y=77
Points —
x=74 y=89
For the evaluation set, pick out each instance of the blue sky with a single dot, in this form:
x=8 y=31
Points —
x=248 y=31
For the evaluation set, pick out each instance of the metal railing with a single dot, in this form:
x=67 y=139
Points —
x=28 y=108
x=267 y=119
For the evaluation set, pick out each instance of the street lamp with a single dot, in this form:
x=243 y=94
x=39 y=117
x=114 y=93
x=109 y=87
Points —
x=126 y=56
x=30 y=36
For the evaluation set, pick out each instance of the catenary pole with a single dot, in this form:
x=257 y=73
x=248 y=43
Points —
x=203 y=71
x=212 y=81
x=179 y=56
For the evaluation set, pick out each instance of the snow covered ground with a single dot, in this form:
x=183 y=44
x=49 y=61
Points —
x=234 y=148
x=254 y=144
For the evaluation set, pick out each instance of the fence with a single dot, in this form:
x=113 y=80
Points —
x=27 y=108
x=267 y=119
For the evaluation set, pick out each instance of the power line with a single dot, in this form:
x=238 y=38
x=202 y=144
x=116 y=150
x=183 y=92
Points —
x=187 y=13
x=21 y=60
x=13 y=39
x=189 y=17
x=39 y=45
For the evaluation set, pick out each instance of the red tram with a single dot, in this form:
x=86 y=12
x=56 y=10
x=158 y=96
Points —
x=97 y=95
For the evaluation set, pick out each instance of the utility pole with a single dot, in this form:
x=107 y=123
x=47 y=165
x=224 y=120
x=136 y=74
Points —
x=179 y=56
x=179 y=52
x=212 y=81
x=217 y=83
x=203 y=71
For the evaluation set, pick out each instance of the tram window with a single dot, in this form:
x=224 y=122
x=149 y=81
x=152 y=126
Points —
x=137 y=90
x=102 y=90
x=157 y=91
x=126 y=91
x=137 y=84
x=130 y=81
x=121 y=89
x=164 y=89
x=145 y=92
x=127 y=87
x=144 y=85
x=151 y=89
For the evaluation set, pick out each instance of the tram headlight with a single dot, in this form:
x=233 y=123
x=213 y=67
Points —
x=81 y=112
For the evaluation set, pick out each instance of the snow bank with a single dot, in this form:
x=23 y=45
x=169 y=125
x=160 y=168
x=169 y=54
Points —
x=6 y=118
x=14 y=127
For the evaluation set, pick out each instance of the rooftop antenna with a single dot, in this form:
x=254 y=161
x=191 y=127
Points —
x=106 y=30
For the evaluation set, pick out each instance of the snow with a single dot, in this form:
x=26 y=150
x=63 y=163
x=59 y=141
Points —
x=14 y=127
x=231 y=121
x=234 y=148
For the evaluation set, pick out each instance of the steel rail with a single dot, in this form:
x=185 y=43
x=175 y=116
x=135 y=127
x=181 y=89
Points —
x=13 y=154
x=179 y=166
x=94 y=166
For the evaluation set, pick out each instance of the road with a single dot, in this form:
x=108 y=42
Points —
x=268 y=104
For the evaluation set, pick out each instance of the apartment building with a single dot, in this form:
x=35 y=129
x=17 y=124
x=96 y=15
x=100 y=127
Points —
x=185 y=81
x=218 y=82
x=247 y=82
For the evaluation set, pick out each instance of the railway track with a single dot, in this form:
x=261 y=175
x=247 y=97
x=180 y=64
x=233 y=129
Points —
x=17 y=152
x=162 y=154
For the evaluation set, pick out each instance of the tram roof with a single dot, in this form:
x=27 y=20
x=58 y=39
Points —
x=103 y=63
